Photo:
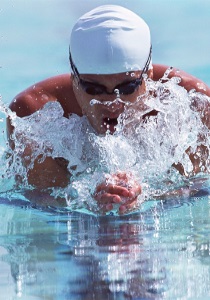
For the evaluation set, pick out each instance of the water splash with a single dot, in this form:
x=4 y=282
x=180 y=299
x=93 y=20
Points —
x=144 y=145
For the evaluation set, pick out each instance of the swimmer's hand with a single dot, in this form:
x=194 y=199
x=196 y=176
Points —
x=119 y=189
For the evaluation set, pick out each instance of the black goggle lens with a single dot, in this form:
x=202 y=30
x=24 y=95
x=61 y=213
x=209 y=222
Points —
x=97 y=89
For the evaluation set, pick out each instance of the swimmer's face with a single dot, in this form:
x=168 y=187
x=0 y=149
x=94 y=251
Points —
x=103 y=113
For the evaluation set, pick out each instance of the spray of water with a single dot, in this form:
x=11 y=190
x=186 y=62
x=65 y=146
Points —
x=146 y=145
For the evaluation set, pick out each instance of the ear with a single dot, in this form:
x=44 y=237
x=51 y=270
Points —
x=150 y=73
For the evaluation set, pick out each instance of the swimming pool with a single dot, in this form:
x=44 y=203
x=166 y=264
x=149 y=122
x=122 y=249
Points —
x=161 y=252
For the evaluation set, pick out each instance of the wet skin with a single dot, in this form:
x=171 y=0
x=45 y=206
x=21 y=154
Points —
x=73 y=99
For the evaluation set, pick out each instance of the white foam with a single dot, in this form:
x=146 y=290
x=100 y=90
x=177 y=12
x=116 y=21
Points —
x=145 y=147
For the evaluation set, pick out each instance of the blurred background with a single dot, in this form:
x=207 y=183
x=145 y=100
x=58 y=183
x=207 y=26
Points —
x=34 y=37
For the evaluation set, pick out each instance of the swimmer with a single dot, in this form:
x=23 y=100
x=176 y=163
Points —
x=110 y=52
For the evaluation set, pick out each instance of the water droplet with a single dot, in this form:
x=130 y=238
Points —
x=117 y=93
x=88 y=170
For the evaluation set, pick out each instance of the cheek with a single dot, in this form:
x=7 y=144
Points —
x=84 y=101
x=139 y=92
x=142 y=89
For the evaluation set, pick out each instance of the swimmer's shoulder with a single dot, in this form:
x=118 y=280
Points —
x=57 y=88
x=188 y=81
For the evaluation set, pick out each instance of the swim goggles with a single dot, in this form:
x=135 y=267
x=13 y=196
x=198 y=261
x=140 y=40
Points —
x=125 y=88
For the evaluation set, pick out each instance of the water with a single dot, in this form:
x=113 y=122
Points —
x=148 y=148
x=160 y=251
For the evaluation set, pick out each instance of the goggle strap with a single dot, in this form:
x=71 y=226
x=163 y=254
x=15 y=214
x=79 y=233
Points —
x=74 y=68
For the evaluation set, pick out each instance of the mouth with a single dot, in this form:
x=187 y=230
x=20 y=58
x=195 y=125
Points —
x=110 y=121
x=110 y=124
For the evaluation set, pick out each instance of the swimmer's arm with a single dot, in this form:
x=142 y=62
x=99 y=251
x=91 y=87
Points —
x=46 y=174
x=199 y=159
x=188 y=81
x=57 y=88
x=186 y=191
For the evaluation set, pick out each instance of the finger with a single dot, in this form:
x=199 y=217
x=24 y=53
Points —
x=135 y=191
x=127 y=207
x=118 y=190
x=105 y=208
x=101 y=187
x=122 y=175
x=112 y=189
x=104 y=198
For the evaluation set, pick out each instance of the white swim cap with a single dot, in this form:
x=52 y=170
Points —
x=110 y=39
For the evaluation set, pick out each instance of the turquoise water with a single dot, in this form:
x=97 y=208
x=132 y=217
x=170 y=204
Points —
x=161 y=252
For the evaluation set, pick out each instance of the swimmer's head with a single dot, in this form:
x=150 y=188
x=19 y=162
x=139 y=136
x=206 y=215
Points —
x=110 y=39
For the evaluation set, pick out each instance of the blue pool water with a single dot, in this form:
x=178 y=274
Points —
x=161 y=252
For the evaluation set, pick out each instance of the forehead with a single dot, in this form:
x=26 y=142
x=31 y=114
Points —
x=119 y=77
